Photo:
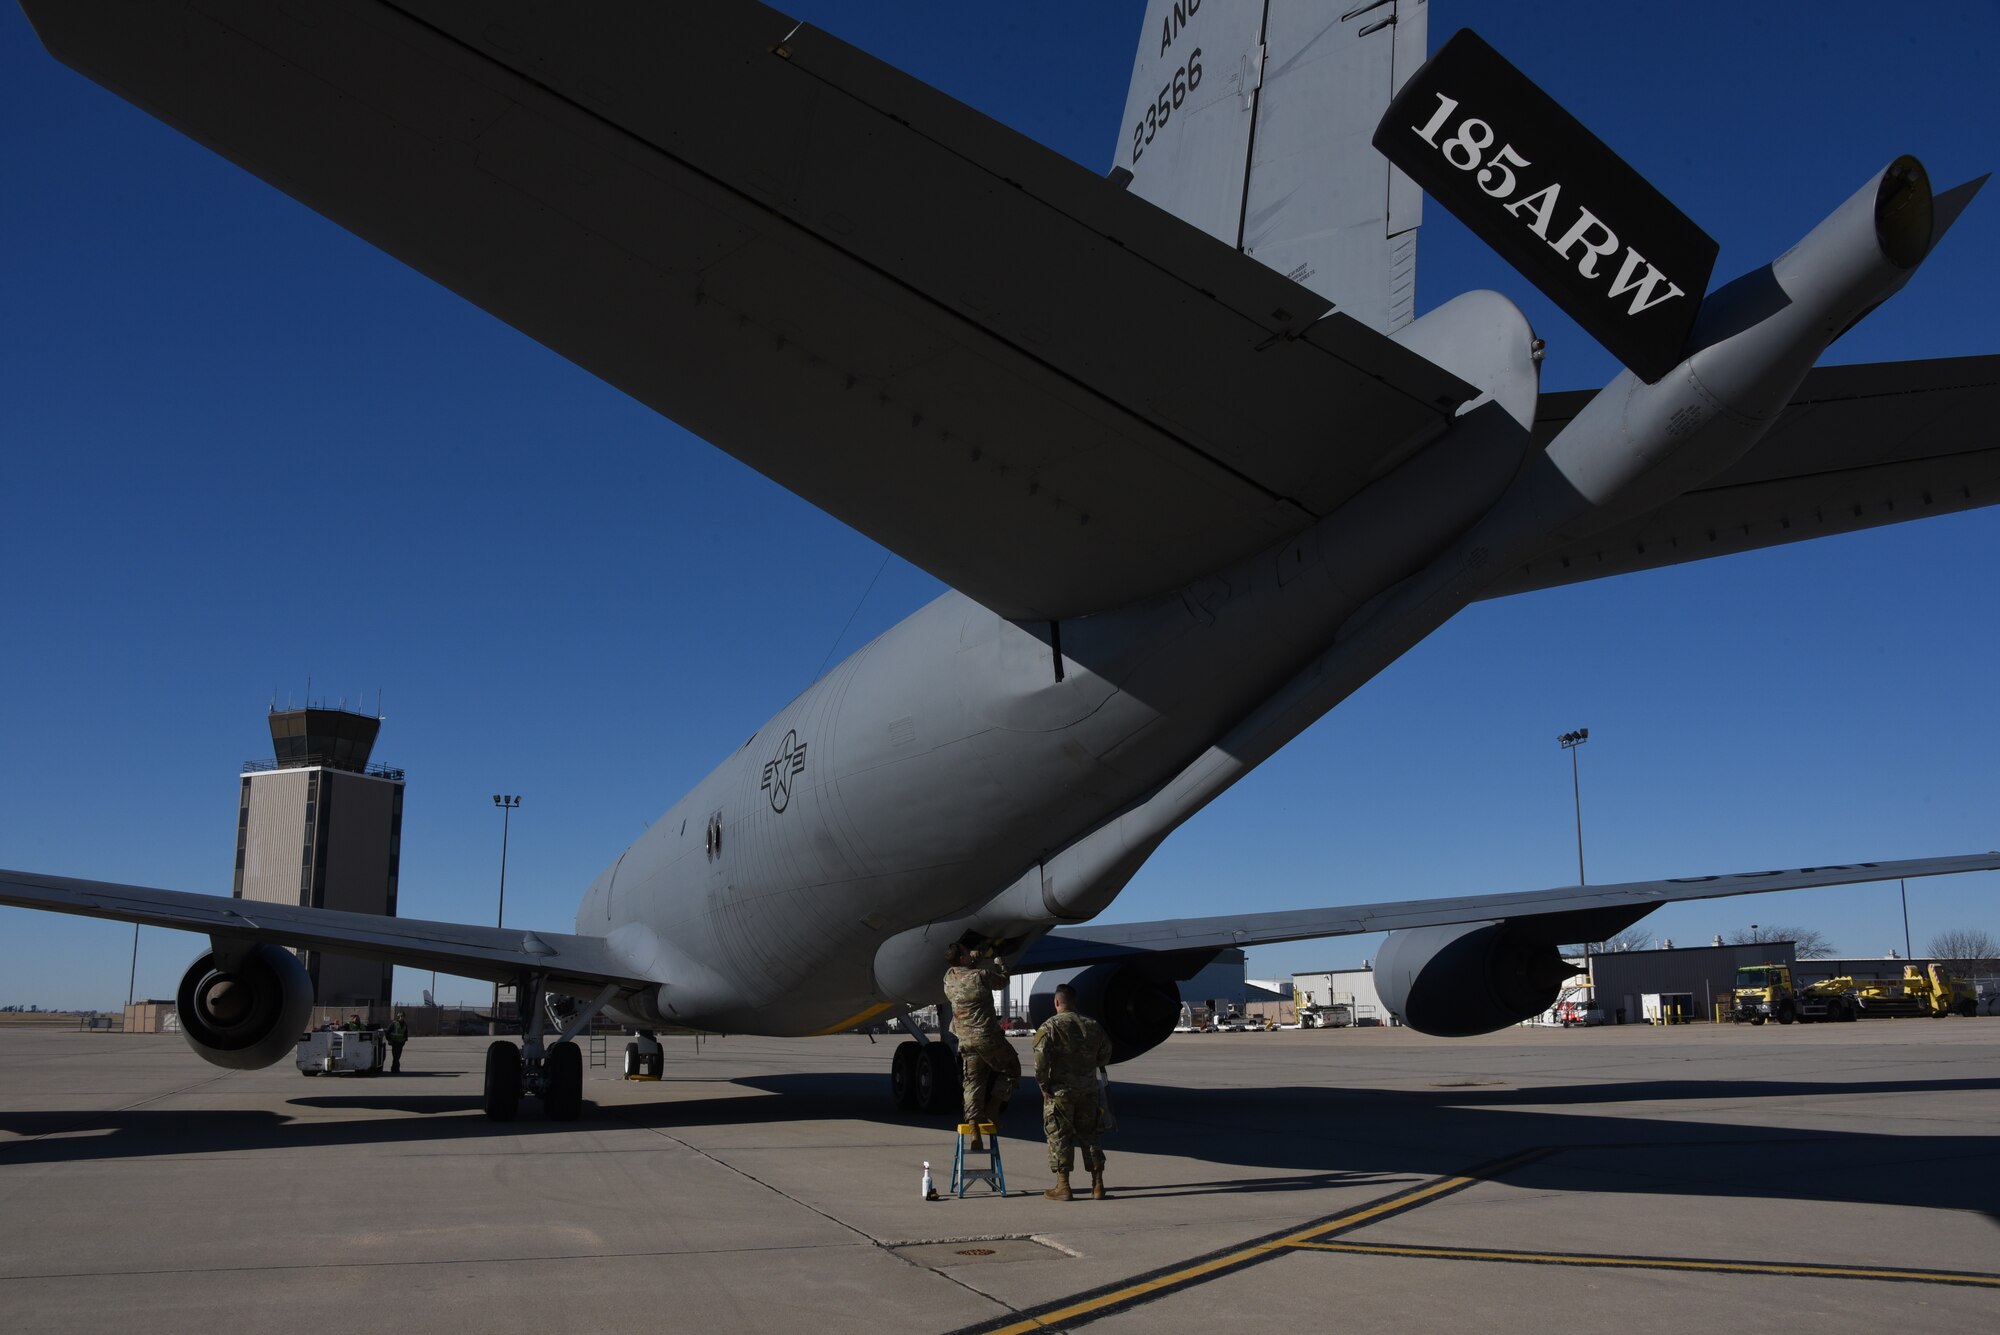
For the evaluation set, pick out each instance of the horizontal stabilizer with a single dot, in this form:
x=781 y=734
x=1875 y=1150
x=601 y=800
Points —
x=1552 y=200
x=1857 y=447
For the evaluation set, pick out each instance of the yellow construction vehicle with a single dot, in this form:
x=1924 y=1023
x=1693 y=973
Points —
x=1767 y=992
x=1926 y=990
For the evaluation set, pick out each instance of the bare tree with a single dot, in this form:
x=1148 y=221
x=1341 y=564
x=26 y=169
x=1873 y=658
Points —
x=1629 y=939
x=1809 y=943
x=1967 y=949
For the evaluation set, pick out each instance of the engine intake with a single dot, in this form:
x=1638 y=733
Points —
x=250 y=1014
x=1137 y=1007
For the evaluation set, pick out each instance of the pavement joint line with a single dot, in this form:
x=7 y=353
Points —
x=1804 y=1270
x=884 y=1247
x=1121 y=1295
x=777 y=1191
x=428 y=1261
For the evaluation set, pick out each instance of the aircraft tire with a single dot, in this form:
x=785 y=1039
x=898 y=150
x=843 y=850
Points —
x=503 y=1081
x=938 y=1086
x=563 y=1101
x=903 y=1074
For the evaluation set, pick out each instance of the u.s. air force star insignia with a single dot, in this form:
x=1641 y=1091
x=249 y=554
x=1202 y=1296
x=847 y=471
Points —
x=781 y=769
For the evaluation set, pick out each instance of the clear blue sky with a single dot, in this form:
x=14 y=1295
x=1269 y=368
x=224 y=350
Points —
x=239 y=448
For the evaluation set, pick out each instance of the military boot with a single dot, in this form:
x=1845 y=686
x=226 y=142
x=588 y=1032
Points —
x=1060 y=1191
x=1097 y=1185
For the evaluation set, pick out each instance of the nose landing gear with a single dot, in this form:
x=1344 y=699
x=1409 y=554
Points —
x=644 y=1059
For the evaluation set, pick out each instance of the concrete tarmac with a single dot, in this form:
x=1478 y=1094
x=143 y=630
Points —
x=1638 y=1179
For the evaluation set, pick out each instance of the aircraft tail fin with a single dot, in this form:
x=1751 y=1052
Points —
x=1251 y=119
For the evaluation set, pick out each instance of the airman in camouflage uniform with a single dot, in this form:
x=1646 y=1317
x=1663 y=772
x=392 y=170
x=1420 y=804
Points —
x=991 y=1068
x=1070 y=1047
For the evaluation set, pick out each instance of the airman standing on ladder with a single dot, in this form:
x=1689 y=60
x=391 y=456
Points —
x=991 y=1068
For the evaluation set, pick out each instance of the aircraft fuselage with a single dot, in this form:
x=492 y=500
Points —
x=930 y=770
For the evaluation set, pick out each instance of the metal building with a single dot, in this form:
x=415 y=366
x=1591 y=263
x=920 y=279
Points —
x=1704 y=974
x=318 y=825
x=1353 y=989
x=1220 y=986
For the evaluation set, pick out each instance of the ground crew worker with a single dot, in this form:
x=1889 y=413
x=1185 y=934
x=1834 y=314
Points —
x=1070 y=1048
x=990 y=1067
x=399 y=1034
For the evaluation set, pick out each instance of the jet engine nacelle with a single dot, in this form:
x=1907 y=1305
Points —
x=1469 y=978
x=248 y=1014
x=1137 y=1007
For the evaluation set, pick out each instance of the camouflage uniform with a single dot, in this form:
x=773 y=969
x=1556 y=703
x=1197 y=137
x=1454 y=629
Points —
x=1068 y=1050
x=991 y=1068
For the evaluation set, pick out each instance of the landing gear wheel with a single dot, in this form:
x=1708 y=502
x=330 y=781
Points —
x=631 y=1060
x=656 y=1065
x=939 y=1088
x=562 y=1100
x=903 y=1065
x=503 y=1081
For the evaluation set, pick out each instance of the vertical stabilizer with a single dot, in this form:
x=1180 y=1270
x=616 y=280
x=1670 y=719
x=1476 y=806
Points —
x=1251 y=119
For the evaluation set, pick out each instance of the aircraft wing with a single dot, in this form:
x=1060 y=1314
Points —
x=1857 y=447
x=1070 y=947
x=578 y=964
x=1041 y=389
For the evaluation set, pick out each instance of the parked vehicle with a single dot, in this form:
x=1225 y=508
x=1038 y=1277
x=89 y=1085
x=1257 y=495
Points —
x=1768 y=992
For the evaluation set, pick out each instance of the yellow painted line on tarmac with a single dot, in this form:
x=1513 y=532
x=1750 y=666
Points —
x=1663 y=1263
x=1105 y=1302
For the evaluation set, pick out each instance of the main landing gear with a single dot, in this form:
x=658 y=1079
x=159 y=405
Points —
x=554 y=1073
x=924 y=1074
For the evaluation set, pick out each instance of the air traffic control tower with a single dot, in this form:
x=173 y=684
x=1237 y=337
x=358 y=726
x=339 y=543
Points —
x=320 y=826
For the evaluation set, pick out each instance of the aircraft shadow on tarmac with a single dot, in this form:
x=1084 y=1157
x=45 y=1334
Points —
x=1379 y=1135
x=1302 y=1137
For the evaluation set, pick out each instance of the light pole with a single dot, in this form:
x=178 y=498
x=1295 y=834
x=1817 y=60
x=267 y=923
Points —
x=1570 y=741
x=507 y=803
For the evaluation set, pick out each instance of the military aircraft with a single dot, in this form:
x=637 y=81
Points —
x=1155 y=586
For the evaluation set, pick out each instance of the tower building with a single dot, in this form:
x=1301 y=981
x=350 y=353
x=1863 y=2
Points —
x=319 y=826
